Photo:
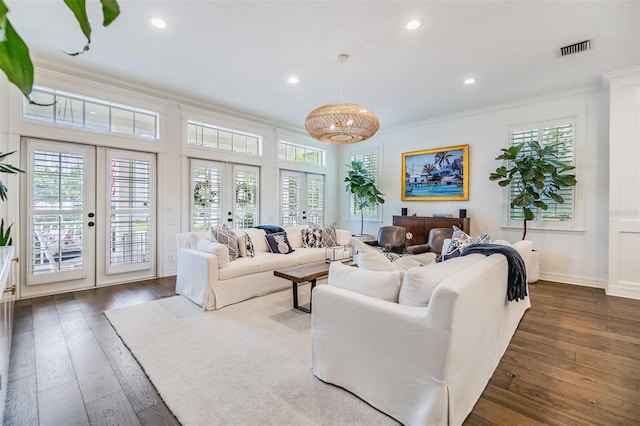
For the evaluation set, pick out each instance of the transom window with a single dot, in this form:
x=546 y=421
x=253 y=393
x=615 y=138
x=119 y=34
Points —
x=214 y=137
x=301 y=153
x=69 y=109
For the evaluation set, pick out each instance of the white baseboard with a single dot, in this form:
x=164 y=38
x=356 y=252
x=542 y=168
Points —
x=169 y=271
x=573 y=279
x=624 y=289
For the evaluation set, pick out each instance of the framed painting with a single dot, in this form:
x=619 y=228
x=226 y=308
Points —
x=440 y=174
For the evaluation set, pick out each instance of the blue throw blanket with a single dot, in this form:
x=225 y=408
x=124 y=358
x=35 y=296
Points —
x=517 y=278
x=270 y=229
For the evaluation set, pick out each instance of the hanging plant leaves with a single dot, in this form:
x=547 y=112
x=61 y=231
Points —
x=14 y=52
x=110 y=11
x=79 y=9
x=14 y=55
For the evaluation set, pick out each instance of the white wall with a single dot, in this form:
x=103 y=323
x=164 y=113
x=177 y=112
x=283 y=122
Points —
x=577 y=256
x=171 y=150
x=624 y=184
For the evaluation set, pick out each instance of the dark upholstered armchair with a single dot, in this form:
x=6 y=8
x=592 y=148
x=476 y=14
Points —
x=434 y=241
x=390 y=238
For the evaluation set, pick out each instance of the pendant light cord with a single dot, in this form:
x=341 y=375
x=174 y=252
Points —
x=342 y=58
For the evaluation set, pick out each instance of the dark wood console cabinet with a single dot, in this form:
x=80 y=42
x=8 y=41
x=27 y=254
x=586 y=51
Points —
x=419 y=226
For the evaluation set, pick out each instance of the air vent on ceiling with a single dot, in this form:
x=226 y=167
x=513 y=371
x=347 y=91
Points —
x=575 y=48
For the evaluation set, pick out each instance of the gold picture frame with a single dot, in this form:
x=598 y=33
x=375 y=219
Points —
x=439 y=174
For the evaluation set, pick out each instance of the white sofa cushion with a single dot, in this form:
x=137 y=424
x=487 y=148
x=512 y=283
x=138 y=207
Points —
x=371 y=259
x=194 y=237
x=419 y=283
x=218 y=249
x=383 y=285
x=294 y=235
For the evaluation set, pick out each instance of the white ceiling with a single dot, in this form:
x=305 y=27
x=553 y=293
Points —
x=239 y=54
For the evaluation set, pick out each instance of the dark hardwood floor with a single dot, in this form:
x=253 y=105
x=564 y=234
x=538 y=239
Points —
x=574 y=360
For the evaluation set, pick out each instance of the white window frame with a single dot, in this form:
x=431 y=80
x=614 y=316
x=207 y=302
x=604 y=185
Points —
x=353 y=214
x=577 y=210
x=111 y=106
x=307 y=149
x=202 y=125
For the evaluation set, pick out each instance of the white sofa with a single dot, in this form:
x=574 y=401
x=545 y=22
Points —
x=422 y=365
x=212 y=284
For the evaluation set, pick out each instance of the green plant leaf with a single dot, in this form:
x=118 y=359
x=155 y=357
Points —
x=505 y=182
x=528 y=214
x=79 y=9
x=556 y=197
x=110 y=11
x=14 y=55
x=5 y=235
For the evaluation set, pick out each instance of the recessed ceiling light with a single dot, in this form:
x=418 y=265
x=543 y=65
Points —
x=293 y=80
x=470 y=81
x=413 y=25
x=158 y=23
x=93 y=113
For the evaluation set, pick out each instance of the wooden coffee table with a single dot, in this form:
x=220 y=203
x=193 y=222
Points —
x=301 y=274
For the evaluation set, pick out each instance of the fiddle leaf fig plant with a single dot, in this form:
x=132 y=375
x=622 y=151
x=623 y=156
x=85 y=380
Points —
x=536 y=174
x=363 y=188
x=5 y=234
x=15 y=60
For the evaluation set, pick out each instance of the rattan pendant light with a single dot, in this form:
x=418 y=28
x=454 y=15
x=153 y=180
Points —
x=342 y=123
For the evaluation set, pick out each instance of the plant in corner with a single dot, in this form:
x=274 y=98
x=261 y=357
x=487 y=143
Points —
x=536 y=176
x=5 y=234
x=363 y=188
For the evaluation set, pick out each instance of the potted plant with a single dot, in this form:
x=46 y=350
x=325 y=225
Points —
x=363 y=188
x=5 y=234
x=536 y=175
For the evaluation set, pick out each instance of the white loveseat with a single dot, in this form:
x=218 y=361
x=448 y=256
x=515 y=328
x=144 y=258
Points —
x=212 y=284
x=422 y=365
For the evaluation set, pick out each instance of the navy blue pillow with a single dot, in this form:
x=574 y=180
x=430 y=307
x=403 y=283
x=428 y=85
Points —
x=279 y=243
x=270 y=229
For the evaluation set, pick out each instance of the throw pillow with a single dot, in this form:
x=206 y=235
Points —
x=245 y=246
x=226 y=236
x=371 y=259
x=242 y=245
x=278 y=243
x=383 y=285
x=251 y=251
x=460 y=240
x=218 y=249
x=312 y=237
x=329 y=237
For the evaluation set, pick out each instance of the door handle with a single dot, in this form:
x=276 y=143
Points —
x=91 y=223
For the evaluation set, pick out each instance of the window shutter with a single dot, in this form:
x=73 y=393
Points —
x=207 y=197
x=371 y=164
x=563 y=136
x=130 y=201
x=315 y=199
x=290 y=190
x=246 y=198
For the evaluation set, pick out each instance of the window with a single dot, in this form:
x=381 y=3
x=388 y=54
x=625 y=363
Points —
x=370 y=160
x=214 y=137
x=562 y=133
x=301 y=153
x=224 y=193
x=130 y=203
x=69 y=109
x=302 y=198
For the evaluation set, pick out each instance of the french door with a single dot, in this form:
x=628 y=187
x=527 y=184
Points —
x=301 y=198
x=224 y=193
x=90 y=215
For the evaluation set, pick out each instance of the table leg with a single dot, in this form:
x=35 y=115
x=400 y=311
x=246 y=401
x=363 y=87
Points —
x=294 y=286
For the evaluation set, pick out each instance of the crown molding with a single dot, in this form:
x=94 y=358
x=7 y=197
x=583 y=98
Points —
x=497 y=107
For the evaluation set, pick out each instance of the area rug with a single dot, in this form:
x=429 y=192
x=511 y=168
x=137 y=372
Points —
x=245 y=364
